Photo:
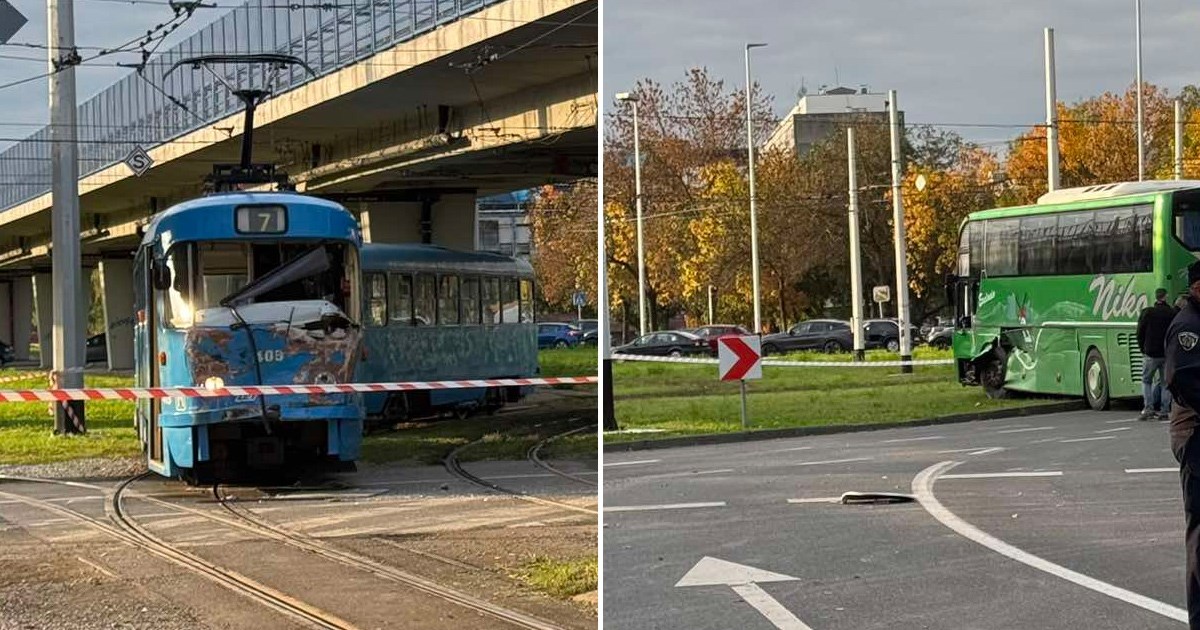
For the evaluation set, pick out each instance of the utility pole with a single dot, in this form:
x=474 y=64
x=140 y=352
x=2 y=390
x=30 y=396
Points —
x=856 y=297
x=1141 y=138
x=1178 y=138
x=64 y=216
x=901 y=255
x=604 y=323
x=753 y=199
x=637 y=188
x=1051 y=116
x=712 y=293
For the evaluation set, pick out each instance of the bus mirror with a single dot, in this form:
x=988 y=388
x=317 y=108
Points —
x=161 y=275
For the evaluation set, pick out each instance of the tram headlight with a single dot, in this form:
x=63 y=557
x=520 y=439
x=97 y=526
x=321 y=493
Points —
x=214 y=382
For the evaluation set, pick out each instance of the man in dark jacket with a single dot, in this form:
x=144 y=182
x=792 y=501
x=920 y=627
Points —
x=1151 y=333
x=1182 y=375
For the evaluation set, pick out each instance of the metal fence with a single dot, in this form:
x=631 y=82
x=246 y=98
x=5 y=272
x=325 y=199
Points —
x=136 y=110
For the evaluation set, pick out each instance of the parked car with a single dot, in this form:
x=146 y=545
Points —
x=6 y=354
x=674 y=343
x=711 y=333
x=97 y=349
x=828 y=335
x=941 y=338
x=885 y=333
x=589 y=331
x=558 y=335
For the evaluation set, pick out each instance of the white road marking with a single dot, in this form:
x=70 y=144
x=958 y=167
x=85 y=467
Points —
x=1134 y=471
x=67 y=500
x=923 y=489
x=1115 y=430
x=817 y=500
x=959 y=450
x=1120 y=421
x=1044 y=440
x=1011 y=426
x=1048 y=473
x=742 y=579
x=779 y=616
x=633 y=463
x=1091 y=439
x=832 y=461
x=916 y=439
x=788 y=450
x=96 y=567
x=1029 y=429
x=988 y=451
x=665 y=506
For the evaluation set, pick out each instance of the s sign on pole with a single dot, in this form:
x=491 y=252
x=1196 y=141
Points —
x=740 y=358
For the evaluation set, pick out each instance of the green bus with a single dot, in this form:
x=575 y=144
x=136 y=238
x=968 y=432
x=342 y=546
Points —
x=1046 y=297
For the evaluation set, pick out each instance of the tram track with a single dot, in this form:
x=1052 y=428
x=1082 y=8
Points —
x=534 y=455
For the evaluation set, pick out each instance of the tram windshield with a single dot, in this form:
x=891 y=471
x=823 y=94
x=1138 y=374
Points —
x=203 y=275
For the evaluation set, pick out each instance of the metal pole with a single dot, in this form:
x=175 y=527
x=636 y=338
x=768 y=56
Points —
x=604 y=323
x=856 y=297
x=641 y=250
x=1141 y=139
x=753 y=198
x=1178 y=138
x=898 y=219
x=1051 y=116
x=65 y=256
x=710 y=304
x=745 y=417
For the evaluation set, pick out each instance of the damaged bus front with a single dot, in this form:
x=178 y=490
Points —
x=249 y=289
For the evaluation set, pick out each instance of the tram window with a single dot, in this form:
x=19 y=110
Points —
x=1037 y=245
x=470 y=301
x=424 y=302
x=491 y=300
x=179 y=297
x=526 y=302
x=511 y=308
x=376 y=299
x=1001 y=247
x=401 y=304
x=447 y=300
x=224 y=269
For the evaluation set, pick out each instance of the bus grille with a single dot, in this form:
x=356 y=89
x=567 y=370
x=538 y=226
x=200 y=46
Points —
x=1129 y=340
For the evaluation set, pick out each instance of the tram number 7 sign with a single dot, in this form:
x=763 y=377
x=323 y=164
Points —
x=739 y=357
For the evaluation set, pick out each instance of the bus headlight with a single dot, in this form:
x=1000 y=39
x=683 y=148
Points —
x=214 y=382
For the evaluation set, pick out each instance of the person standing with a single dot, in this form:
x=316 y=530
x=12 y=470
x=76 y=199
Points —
x=1151 y=334
x=1181 y=372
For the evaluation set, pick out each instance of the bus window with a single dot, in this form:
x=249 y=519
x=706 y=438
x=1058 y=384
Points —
x=1187 y=219
x=976 y=238
x=526 y=302
x=964 y=251
x=1001 y=246
x=470 y=301
x=424 y=300
x=377 y=299
x=1075 y=246
x=491 y=300
x=1036 y=256
x=447 y=300
x=401 y=304
x=511 y=309
x=1142 y=258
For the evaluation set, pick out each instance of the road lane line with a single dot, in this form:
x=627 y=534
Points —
x=664 y=506
x=922 y=486
x=1115 y=430
x=1091 y=439
x=817 y=500
x=779 y=616
x=832 y=461
x=916 y=439
x=1120 y=421
x=788 y=450
x=1029 y=429
x=1011 y=426
x=633 y=463
x=988 y=451
x=1048 y=473
x=1135 y=471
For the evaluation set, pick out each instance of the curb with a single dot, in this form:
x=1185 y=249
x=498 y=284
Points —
x=772 y=434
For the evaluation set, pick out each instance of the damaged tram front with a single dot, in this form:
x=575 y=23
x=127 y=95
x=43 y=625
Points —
x=244 y=289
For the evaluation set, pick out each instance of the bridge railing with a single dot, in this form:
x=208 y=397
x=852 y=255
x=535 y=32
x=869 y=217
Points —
x=138 y=110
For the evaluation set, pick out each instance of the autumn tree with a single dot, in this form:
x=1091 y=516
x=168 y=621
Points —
x=563 y=223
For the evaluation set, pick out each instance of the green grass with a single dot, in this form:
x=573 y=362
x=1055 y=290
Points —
x=683 y=399
x=577 y=361
x=560 y=578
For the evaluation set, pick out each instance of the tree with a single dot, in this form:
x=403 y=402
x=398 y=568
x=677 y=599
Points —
x=563 y=221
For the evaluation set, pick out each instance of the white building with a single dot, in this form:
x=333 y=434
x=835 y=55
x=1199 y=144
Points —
x=817 y=116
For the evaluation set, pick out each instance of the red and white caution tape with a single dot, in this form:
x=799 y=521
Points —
x=785 y=363
x=135 y=393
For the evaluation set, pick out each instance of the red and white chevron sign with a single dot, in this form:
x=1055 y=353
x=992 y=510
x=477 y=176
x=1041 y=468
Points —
x=739 y=358
x=134 y=393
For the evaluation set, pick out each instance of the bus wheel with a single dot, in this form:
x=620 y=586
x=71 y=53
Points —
x=991 y=377
x=1095 y=381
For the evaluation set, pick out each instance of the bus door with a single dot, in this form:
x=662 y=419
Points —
x=961 y=293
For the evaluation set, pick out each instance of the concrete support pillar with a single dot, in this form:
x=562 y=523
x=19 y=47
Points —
x=116 y=286
x=391 y=221
x=6 y=313
x=22 y=309
x=43 y=295
x=455 y=222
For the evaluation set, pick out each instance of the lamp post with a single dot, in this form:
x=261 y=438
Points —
x=633 y=99
x=1141 y=139
x=753 y=199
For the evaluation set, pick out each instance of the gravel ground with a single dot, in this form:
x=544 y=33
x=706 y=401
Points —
x=93 y=468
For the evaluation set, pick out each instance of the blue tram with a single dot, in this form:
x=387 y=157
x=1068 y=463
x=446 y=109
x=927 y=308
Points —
x=246 y=289
x=434 y=314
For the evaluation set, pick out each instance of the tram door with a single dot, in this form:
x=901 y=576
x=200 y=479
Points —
x=148 y=369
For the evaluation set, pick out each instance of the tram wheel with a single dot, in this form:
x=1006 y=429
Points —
x=1095 y=381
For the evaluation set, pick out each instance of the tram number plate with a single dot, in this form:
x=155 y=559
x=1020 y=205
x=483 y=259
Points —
x=270 y=356
x=261 y=219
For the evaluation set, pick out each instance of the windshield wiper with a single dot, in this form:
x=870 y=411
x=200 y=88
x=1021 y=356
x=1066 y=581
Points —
x=314 y=262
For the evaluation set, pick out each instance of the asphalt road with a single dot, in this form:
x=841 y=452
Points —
x=1088 y=532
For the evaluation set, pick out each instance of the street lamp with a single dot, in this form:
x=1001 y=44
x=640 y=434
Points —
x=633 y=99
x=753 y=200
x=1141 y=139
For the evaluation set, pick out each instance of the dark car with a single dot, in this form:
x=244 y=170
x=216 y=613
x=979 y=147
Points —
x=673 y=343
x=589 y=331
x=97 y=349
x=556 y=335
x=827 y=335
x=885 y=333
x=6 y=353
x=711 y=333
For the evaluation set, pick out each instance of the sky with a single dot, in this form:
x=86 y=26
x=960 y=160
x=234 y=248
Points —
x=951 y=61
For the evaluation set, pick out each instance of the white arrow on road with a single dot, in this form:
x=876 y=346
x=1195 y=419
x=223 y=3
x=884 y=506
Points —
x=744 y=581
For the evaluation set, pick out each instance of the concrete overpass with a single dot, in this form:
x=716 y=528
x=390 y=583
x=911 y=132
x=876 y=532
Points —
x=418 y=106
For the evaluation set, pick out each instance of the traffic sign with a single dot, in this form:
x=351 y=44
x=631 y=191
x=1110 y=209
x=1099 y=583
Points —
x=579 y=299
x=11 y=21
x=882 y=293
x=138 y=160
x=739 y=357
